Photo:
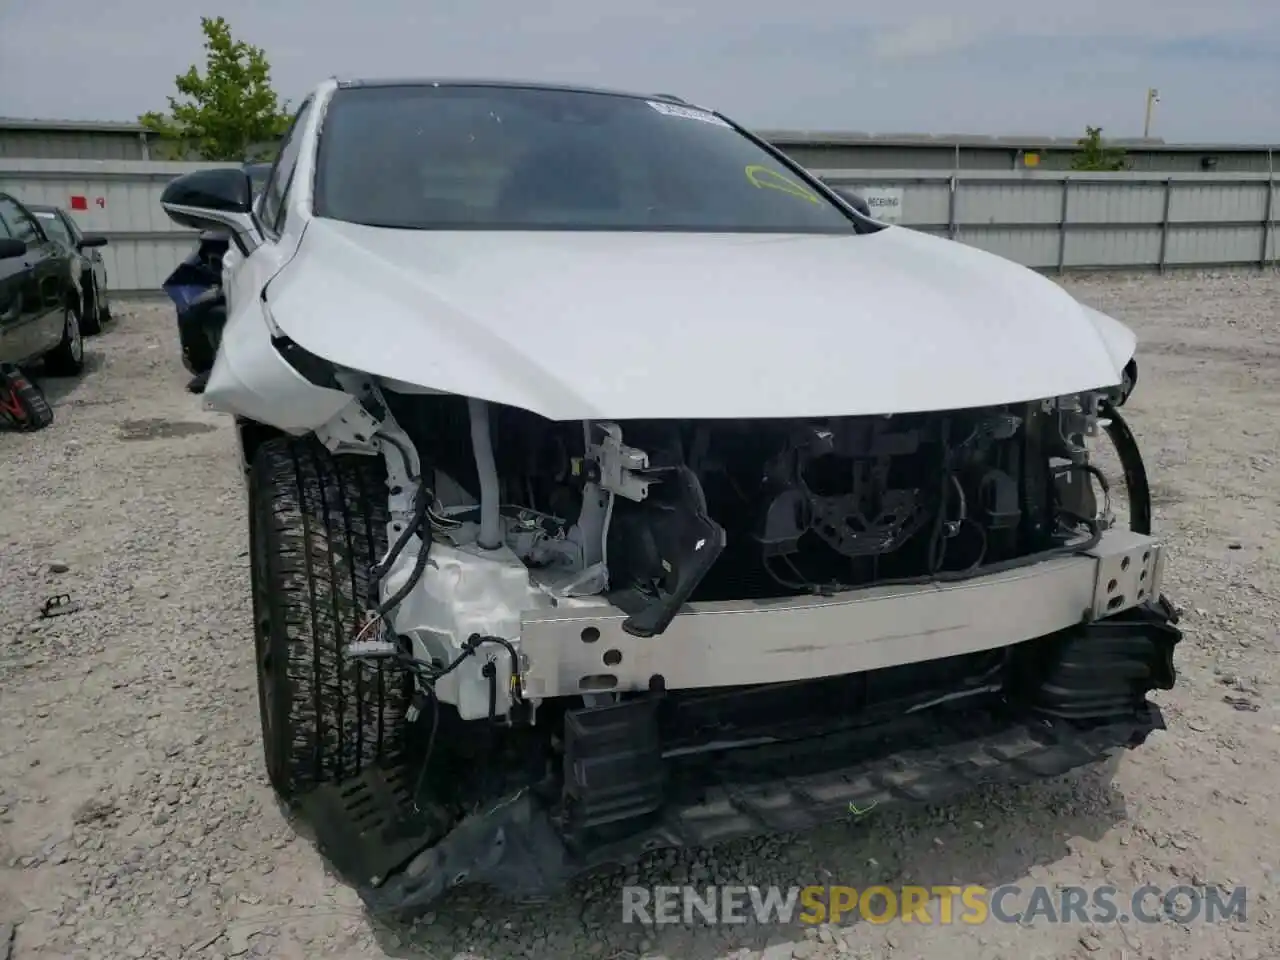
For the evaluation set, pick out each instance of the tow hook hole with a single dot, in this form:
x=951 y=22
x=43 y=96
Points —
x=590 y=635
x=612 y=658
x=1114 y=602
x=1124 y=563
x=1111 y=587
x=598 y=681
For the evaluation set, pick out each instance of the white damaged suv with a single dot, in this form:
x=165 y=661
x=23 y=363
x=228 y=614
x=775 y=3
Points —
x=615 y=484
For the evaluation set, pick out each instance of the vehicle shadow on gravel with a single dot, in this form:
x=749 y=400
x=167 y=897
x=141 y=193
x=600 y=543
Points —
x=58 y=389
x=994 y=836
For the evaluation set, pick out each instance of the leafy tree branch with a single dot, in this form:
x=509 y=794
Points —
x=230 y=112
x=1094 y=154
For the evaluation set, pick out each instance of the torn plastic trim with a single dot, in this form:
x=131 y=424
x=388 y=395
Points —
x=313 y=369
x=624 y=793
x=515 y=847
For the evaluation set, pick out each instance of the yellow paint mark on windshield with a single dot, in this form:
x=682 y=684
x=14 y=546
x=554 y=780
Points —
x=767 y=179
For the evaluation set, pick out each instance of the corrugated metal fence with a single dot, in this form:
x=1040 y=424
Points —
x=117 y=198
x=1044 y=219
x=1088 y=221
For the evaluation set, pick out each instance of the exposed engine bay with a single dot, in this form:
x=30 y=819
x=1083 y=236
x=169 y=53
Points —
x=527 y=514
x=499 y=516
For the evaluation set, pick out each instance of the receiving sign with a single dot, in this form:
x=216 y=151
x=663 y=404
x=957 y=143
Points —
x=885 y=202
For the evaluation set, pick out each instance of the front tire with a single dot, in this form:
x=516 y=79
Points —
x=93 y=314
x=67 y=358
x=102 y=299
x=197 y=346
x=317 y=525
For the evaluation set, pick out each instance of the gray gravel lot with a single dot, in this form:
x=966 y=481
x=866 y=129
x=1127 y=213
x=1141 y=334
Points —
x=135 y=817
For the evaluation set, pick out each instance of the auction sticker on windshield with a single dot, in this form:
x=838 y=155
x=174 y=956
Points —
x=765 y=178
x=687 y=113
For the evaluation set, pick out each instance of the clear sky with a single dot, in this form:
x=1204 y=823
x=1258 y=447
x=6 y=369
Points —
x=932 y=66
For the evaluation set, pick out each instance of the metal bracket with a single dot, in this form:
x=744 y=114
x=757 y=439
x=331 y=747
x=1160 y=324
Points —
x=365 y=425
x=618 y=462
x=1129 y=572
x=1077 y=418
x=351 y=430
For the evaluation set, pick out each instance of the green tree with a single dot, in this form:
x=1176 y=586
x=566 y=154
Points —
x=229 y=113
x=1094 y=154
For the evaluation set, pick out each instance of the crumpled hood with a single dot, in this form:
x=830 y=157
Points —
x=671 y=325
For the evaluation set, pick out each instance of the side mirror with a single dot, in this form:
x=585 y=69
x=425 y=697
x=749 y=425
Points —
x=857 y=201
x=219 y=199
x=91 y=240
x=10 y=248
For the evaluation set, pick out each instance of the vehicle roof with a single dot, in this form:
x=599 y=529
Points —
x=508 y=84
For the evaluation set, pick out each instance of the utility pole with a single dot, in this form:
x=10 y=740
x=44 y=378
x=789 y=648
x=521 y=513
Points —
x=1153 y=97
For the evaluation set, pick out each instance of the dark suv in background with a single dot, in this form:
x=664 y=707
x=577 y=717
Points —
x=95 y=307
x=40 y=299
x=40 y=294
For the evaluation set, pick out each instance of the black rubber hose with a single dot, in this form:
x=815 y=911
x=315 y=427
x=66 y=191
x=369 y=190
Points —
x=431 y=744
x=1135 y=471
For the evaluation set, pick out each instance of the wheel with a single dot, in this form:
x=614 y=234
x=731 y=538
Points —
x=22 y=404
x=317 y=524
x=91 y=318
x=103 y=299
x=197 y=347
x=67 y=358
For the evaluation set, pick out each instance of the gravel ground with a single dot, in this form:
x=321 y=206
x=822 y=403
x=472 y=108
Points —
x=135 y=818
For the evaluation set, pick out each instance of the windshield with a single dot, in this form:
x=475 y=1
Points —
x=516 y=158
x=53 y=226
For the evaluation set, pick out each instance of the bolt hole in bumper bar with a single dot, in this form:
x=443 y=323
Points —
x=1072 y=691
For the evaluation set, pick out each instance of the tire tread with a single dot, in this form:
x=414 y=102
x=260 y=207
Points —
x=60 y=361
x=91 y=316
x=327 y=526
